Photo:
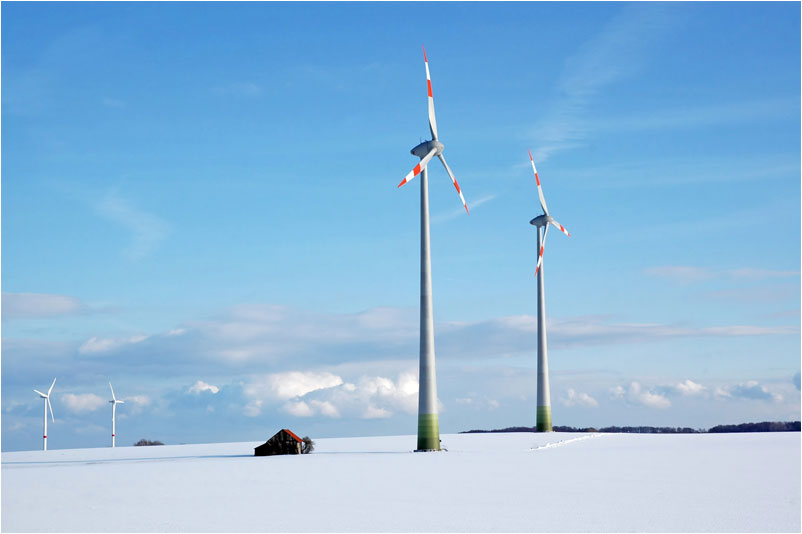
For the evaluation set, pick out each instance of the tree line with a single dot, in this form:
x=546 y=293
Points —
x=765 y=426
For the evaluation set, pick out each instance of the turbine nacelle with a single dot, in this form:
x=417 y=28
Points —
x=48 y=406
x=541 y=220
x=423 y=149
x=545 y=220
x=434 y=148
x=114 y=400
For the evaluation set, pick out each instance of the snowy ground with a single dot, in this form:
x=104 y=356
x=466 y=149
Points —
x=485 y=483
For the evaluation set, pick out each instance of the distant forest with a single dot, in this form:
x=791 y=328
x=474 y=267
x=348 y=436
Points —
x=766 y=426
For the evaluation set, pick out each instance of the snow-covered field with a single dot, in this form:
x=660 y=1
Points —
x=484 y=483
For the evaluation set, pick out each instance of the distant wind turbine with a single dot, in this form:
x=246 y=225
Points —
x=114 y=402
x=428 y=423
x=47 y=405
x=542 y=223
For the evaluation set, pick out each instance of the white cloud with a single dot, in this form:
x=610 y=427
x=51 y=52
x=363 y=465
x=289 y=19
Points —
x=29 y=305
x=680 y=273
x=606 y=58
x=313 y=407
x=478 y=403
x=147 y=230
x=298 y=384
x=750 y=390
x=688 y=274
x=689 y=388
x=299 y=409
x=98 y=345
x=286 y=386
x=201 y=386
x=456 y=212
x=253 y=407
x=760 y=274
x=137 y=403
x=326 y=408
x=635 y=394
x=382 y=396
x=714 y=113
x=270 y=337
x=268 y=333
x=505 y=336
x=305 y=394
x=85 y=402
x=722 y=393
x=374 y=412
x=572 y=398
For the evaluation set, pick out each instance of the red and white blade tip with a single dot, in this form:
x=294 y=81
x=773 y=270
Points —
x=537 y=178
x=539 y=259
x=561 y=227
x=412 y=174
x=462 y=198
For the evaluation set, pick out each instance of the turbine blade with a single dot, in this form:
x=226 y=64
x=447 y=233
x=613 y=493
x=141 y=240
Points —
x=432 y=120
x=539 y=189
x=51 y=387
x=540 y=253
x=51 y=409
x=454 y=181
x=560 y=226
x=112 y=392
x=419 y=167
x=40 y=393
x=120 y=402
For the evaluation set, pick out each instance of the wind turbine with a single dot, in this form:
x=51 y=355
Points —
x=542 y=222
x=428 y=423
x=47 y=405
x=114 y=402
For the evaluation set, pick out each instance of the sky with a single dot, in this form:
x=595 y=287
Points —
x=200 y=205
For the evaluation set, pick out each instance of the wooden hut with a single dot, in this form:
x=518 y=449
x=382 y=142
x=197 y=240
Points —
x=284 y=442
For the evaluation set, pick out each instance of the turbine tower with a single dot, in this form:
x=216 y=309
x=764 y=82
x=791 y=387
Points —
x=542 y=223
x=428 y=423
x=47 y=405
x=114 y=402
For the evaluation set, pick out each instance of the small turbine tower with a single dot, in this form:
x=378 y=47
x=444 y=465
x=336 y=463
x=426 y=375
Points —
x=47 y=405
x=114 y=402
x=542 y=223
x=428 y=423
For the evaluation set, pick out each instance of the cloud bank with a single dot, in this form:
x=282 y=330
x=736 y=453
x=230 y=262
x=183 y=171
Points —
x=306 y=394
x=35 y=305
x=146 y=229
x=85 y=402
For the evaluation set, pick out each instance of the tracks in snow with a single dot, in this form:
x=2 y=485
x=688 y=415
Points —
x=564 y=442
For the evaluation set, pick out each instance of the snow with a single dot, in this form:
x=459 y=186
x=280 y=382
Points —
x=485 y=482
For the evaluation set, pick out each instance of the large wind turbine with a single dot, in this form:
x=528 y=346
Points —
x=542 y=223
x=47 y=405
x=114 y=402
x=428 y=424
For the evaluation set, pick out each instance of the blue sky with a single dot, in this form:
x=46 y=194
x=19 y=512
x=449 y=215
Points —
x=199 y=203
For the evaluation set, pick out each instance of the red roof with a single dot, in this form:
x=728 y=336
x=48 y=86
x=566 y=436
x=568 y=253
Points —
x=291 y=433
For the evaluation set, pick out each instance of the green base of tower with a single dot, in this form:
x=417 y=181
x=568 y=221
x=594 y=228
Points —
x=544 y=418
x=428 y=432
